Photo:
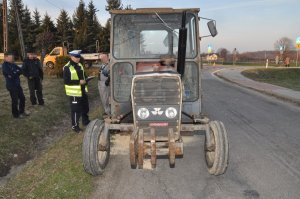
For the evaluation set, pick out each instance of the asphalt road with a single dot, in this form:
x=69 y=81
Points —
x=264 y=137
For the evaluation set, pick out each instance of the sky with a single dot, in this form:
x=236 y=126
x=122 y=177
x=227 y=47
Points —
x=248 y=25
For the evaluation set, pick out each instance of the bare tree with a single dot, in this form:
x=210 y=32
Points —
x=45 y=42
x=223 y=52
x=285 y=46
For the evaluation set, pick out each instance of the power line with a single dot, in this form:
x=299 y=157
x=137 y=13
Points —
x=53 y=4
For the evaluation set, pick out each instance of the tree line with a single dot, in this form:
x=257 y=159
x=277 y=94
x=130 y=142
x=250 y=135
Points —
x=41 y=33
x=283 y=47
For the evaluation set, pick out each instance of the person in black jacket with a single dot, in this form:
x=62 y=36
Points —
x=32 y=69
x=12 y=74
x=76 y=89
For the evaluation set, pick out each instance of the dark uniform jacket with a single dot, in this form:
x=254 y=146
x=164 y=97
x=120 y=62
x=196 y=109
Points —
x=32 y=68
x=12 y=74
x=67 y=75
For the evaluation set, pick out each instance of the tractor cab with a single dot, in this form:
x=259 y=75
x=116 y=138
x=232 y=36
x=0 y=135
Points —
x=155 y=90
x=147 y=40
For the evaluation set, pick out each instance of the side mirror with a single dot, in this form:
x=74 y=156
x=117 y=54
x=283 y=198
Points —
x=212 y=28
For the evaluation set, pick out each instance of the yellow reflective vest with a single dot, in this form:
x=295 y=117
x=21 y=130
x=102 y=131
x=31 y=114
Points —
x=74 y=90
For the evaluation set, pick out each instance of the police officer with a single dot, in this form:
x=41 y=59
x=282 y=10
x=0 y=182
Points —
x=12 y=74
x=32 y=69
x=76 y=88
x=104 y=84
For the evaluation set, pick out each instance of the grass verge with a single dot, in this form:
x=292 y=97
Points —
x=285 y=77
x=19 y=137
x=57 y=172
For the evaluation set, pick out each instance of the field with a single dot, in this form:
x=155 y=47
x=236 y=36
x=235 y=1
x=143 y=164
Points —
x=285 y=77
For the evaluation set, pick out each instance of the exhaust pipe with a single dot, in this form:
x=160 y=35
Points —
x=182 y=46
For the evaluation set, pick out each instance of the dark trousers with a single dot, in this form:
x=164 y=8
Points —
x=79 y=107
x=17 y=101
x=35 y=89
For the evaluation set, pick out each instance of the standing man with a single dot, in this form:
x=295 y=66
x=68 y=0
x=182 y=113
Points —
x=12 y=74
x=287 y=62
x=277 y=60
x=32 y=69
x=104 y=84
x=76 y=88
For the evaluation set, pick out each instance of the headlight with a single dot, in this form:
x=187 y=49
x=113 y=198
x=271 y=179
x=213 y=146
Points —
x=143 y=113
x=171 y=112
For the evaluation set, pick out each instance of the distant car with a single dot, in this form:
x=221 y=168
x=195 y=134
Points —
x=50 y=59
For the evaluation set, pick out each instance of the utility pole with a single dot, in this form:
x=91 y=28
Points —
x=5 y=35
x=297 y=57
x=97 y=46
x=19 y=30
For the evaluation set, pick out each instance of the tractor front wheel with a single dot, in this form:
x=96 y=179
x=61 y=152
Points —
x=96 y=147
x=216 y=148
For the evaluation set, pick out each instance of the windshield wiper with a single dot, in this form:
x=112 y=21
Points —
x=164 y=23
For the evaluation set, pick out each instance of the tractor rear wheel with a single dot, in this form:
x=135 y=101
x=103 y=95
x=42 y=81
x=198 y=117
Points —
x=216 y=153
x=96 y=147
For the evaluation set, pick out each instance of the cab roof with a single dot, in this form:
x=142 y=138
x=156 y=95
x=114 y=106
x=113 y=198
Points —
x=154 y=10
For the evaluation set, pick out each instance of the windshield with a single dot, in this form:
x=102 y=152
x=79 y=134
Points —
x=151 y=35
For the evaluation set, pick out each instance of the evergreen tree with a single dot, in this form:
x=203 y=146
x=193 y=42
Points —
x=36 y=18
x=13 y=37
x=47 y=24
x=105 y=31
x=64 y=28
x=37 y=29
x=114 y=5
x=28 y=30
x=93 y=27
x=105 y=38
x=80 y=27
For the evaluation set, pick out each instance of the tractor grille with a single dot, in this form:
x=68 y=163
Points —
x=157 y=93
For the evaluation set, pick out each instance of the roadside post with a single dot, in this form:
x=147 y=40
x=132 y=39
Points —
x=267 y=63
x=234 y=56
x=297 y=46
